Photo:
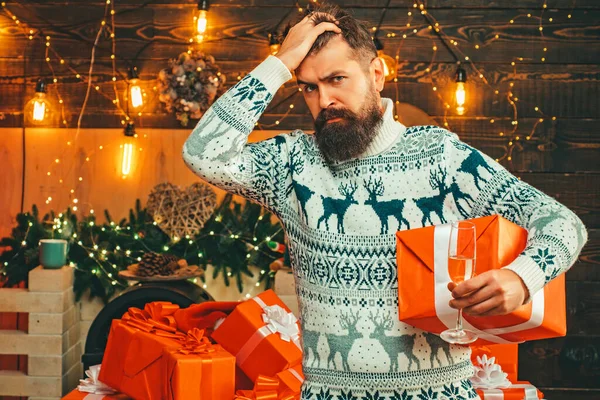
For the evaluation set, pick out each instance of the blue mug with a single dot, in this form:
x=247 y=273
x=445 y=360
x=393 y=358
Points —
x=53 y=253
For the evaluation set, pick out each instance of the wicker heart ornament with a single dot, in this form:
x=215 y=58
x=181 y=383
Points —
x=181 y=212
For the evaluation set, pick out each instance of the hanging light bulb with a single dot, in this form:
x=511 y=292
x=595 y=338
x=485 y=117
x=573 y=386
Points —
x=461 y=94
x=38 y=110
x=273 y=44
x=389 y=64
x=127 y=157
x=135 y=92
x=200 y=19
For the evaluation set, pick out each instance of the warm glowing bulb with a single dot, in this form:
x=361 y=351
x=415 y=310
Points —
x=275 y=48
x=136 y=95
x=460 y=98
x=39 y=110
x=201 y=22
x=126 y=158
x=389 y=65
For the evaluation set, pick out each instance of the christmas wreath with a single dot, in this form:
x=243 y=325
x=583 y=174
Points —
x=191 y=83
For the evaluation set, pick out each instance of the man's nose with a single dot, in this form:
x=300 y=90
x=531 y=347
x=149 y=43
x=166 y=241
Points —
x=325 y=99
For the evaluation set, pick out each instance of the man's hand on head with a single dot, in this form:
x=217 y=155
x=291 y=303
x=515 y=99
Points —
x=496 y=292
x=301 y=37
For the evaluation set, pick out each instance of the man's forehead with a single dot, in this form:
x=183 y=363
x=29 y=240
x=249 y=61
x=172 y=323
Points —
x=336 y=55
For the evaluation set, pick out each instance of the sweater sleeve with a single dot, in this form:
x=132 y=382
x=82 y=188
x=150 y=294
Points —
x=483 y=187
x=218 y=151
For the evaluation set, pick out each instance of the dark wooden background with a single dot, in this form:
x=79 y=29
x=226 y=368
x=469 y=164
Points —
x=566 y=86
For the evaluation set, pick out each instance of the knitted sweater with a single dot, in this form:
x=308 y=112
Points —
x=341 y=219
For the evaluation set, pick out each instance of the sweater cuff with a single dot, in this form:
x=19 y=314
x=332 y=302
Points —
x=531 y=274
x=272 y=73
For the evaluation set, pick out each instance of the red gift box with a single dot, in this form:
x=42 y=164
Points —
x=517 y=391
x=198 y=370
x=132 y=358
x=263 y=335
x=422 y=257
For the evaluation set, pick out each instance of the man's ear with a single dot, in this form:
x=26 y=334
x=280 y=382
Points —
x=376 y=72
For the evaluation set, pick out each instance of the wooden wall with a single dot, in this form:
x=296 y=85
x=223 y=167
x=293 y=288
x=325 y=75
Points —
x=566 y=85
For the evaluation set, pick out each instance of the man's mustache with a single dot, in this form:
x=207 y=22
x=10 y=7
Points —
x=330 y=113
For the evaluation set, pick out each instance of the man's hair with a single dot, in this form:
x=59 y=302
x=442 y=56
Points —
x=353 y=32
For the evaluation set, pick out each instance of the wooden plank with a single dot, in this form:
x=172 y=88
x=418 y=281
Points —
x=534 y=86
x=16 y=383
x=569 y=362
x=583 y=308
x=11 y=147
x=567 y=39
x=495 y=4
x=588 y=266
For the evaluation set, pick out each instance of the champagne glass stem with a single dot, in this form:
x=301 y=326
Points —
x=459 y=325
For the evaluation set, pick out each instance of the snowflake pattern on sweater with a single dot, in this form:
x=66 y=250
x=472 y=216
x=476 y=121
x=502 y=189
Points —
x=341 y=219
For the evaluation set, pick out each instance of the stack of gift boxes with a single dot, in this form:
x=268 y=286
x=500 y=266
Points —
x=252 y=350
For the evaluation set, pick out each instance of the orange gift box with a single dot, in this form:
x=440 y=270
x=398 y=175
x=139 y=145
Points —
x=77 y=395
x=198 y=370
x=132 y=358
x=517 y=391
x=424 y=296
x=292 y=378
x=506 y=355
x=263 y=335
x=268 y=388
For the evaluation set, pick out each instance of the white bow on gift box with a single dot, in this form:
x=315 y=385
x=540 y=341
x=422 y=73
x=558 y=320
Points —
x=489 y=375
x=91 y=384
x=490 y=378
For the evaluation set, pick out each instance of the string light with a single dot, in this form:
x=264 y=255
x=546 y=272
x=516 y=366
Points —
x=38 y=110
x=460 y=93
x=126 y=158
x=135 y=92
x=201 y=20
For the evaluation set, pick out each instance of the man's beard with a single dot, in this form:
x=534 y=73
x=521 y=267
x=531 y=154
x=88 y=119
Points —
x=350 y=136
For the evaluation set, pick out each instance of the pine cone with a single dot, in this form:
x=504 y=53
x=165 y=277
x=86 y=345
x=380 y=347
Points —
x=169 y=268
x=150 y=264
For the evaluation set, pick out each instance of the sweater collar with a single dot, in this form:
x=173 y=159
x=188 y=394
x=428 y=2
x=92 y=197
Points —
x=388 y=131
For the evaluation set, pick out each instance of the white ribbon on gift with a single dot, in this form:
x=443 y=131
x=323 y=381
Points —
x=92 y=385
x=497 y=394
x=296 y=375
x=447 y=315
x=277 y=320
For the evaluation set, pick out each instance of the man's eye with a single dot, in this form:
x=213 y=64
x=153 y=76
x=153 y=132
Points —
x=309 y=88
x=338 y=78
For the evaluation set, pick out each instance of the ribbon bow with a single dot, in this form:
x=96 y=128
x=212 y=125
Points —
x=266 y=388
x=196 y=343
x=280 y=321
x=489 y=375
x=156 y=318
x=91 y=384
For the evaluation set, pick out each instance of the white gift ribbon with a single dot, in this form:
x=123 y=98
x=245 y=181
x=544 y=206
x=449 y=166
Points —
x=296 y=375
x=277 y=320
x=92 y=385
x=497 y=394
x=447 y=315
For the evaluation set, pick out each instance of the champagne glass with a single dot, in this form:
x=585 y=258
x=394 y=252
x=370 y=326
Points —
x=461 y=267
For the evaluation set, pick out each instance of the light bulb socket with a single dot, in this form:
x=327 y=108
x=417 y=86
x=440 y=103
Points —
x=273 y=38
x=461 y=75
x=129 y=129
x=133 y=73
x=41 y=86
x=378 y=44
x=203 y=5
